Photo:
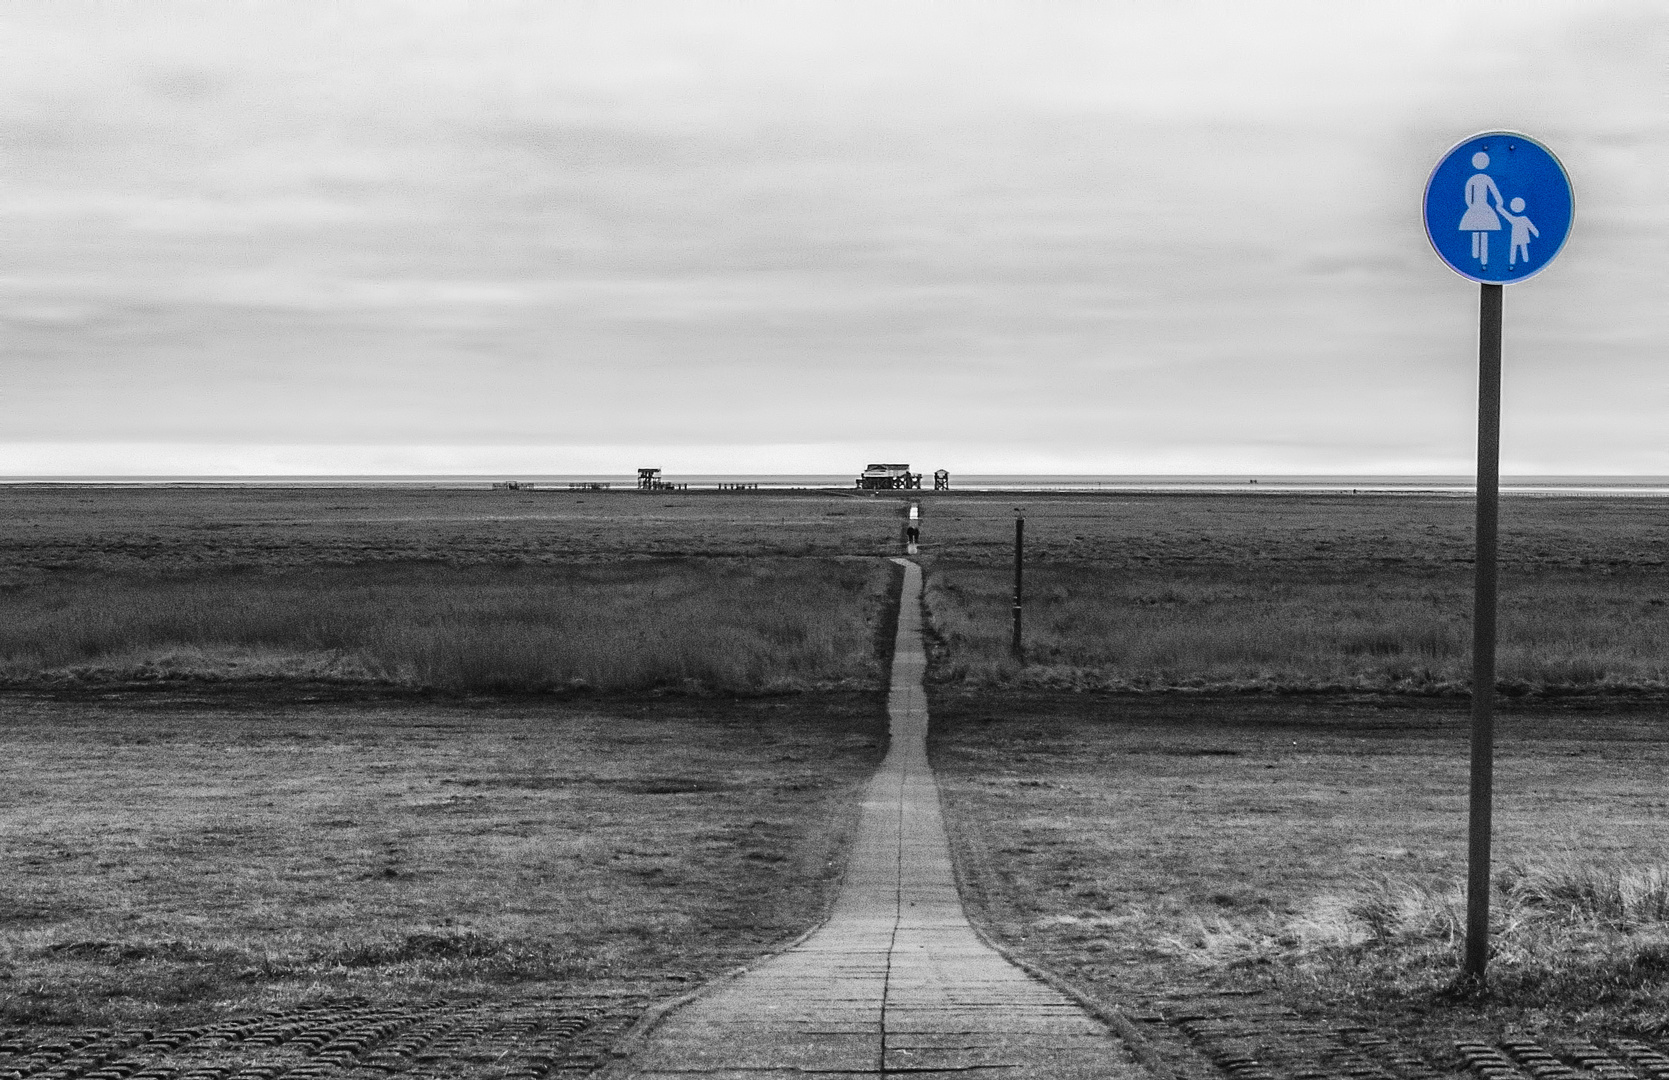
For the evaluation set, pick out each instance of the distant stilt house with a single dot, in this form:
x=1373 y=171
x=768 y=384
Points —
x=888 y=478
x=650 y=480
x=941 y=480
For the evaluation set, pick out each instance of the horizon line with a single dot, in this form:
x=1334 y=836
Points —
x=484 y=476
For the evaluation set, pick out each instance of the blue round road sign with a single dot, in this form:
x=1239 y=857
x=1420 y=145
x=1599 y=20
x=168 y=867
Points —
x=1498 y=207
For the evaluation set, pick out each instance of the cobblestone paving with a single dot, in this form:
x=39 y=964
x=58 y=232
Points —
x=1194 y=1039
x=457 y=1040
x=1211 y=1036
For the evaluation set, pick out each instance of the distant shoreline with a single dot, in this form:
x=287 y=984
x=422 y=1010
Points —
x=970 y=483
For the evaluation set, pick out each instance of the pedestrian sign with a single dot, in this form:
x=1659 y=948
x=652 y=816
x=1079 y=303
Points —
x=1498 y=207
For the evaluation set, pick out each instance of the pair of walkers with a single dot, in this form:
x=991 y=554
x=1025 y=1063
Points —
x=1481 y=219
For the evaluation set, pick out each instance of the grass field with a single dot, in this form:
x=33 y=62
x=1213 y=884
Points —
x=1155 y=848
x=1331 y=628
x=188 y=850
x=1298 y=532
x=170 y=860
x=454 y=590
x=484 y=590
x=187 y=530
x=1291 y=592
x=705 y=625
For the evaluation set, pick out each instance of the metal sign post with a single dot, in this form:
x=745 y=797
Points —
x=1478 y=829
x=1496 y=182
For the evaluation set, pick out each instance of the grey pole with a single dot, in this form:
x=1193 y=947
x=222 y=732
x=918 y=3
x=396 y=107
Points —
x=1483 y=633
x=1019 y=549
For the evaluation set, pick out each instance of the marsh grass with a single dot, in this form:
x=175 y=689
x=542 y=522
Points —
x=1154 y=845
x=1409 y=533
x=725 y=625
x=1538 y=912
x=1569 y=934
x=169 y=862
x=150 y=530
x=1360 y=628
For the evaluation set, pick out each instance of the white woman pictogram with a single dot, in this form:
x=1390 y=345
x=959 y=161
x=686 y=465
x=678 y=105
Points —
x=1480 y=219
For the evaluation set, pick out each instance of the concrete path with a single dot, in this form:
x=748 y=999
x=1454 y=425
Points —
x=895 y=981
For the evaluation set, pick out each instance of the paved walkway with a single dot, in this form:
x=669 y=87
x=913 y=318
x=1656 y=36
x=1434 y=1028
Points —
x=895 y=981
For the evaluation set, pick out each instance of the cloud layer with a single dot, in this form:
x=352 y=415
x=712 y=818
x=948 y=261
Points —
x=1109 y=238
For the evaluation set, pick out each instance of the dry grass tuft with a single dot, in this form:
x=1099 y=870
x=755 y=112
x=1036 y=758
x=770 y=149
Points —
x=1626 y=896
x=1567 y=934
x=1532 y=905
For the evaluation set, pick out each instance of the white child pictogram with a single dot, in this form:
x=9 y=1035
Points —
x=1522 y=228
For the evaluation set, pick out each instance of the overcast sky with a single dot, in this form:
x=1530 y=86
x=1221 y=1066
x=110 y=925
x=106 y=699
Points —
x=752 y=237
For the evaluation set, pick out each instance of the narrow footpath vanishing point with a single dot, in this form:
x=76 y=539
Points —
x=896 y=981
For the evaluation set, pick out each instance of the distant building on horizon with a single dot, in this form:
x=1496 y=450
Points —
x=888 y=478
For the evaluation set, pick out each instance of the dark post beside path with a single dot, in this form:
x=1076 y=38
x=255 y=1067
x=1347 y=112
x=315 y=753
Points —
x=1483 y=632
x=1019 y=561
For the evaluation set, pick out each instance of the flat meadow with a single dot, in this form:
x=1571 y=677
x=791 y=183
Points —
x=724 y=625
x=1299 y=593
x=458 y=591
x=270 y=746
x=497 y=590
x=173 y=858
x=1307 y=853
x=357 y=748
x=1233 y=757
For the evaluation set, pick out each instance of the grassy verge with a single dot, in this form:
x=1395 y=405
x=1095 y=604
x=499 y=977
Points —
x=187 y=530
x=1281 y=628
x=169 y=861
x=1576 y=936
x=1297 y=593
x=1150 y=849
x=1407 y=532
x=707 y=625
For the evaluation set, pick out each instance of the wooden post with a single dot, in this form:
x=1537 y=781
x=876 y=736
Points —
x=1019 y=562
